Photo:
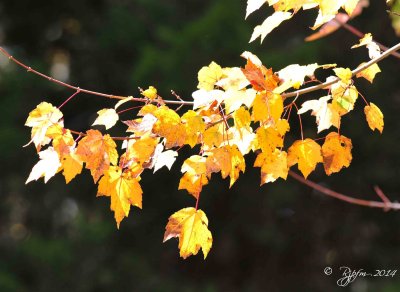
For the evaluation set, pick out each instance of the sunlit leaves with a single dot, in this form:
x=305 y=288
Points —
x=98 y=152
x=108 y=117
x=123 y=189
x=306 y=153
x=208 y=76
x=374 y=117
x=40 y=119
x=336 y=152
x=47 y=167
x=191 y=227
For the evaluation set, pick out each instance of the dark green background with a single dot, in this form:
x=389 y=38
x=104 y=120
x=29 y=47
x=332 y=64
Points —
x=278 y=237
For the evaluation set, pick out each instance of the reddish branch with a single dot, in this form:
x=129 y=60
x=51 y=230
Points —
x=385 y=205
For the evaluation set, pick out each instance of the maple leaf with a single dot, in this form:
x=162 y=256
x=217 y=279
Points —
x=47 y=166
x=98 y=152
x=242 y=119
x=294 y=75
x=253 y=5
x=140 y=150
x=374 y=117
x=228 y=160
x=344 y=97
x=206 y=98
x=273 y=165
x=270 y=136
x=169 y=126
x=325 y=113
x=306 y=153
x=108 y=117
x=191 y=227
x=72 y=165
x=233 y=79
x=141 y=126
x=269 y=24
x=213 y=136
x=150 y=93
x=373 y=49
x=267 y=106
x=194 y=126
x=209 y=75
x=160 y=158
x=40 y=120
x=336 y=152
x=344 y=74
x=233 y=99
x=194 y=178
x=260 y=77
x=123 y=190
x=369 y=73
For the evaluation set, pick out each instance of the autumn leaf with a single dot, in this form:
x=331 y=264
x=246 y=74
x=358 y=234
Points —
x=228 y=160
x=71 y=164
x=344 y=74
x=374 y=117
x=40 y=120
x=150 y=93
x=294 y=75
x=273 y=165
x=194 y=127
x=325 y=113
x=369 y=73
x=209 y=75
x=271 y=136
x=98 y=152
x=336 y=152
x=306 y=153
x=108 y=117
x=47 y=166
x=267 y=106
x=169 y=126
x=269 y=24
x=161 y=159
x=123 y=190
x=260 y=77
x=141 y=126
x=194 y=178
x=191 y=227
x=344 y=97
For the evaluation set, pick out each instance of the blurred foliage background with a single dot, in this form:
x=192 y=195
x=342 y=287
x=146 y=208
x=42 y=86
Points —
x=278 y=237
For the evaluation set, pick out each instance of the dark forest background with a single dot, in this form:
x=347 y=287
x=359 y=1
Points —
x=278 y=237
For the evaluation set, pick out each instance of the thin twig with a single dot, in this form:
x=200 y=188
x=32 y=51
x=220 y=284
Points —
x=387 y=205
x=354 y=72
x=91 y=92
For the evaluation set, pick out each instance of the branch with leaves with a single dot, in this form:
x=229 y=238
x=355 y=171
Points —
x=234 y=111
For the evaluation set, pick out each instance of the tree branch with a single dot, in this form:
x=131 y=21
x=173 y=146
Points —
x=385 y=205
x=354 y=72
x=78 y=89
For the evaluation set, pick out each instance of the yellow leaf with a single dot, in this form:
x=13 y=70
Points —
x=47 y=166
x=108 y=117
x=269 y=24
x=271 y=136
x=307 y=153
x=266 y=107
x=166 y=158
x=325 y=113
x=169 y=126
x=194 y=126
x=213 y=136
x=344 y=74
x=140 y=150
x=98 y=152
x=40 y=119
x=209 y=75
x=72 y=166
x=150 y=93
x=191 y=227
x=123 y=190
x=294 y=75
x=273 y=165
x=369 y=73
x=336 y=152
x=195 y=175
x=374 y=117
x=242 y=119
x=344 y=97
x=228 y=160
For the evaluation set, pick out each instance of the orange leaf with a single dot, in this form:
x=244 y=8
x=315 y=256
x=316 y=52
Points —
x=98 y=152
x=191 y=227
x=336 y=152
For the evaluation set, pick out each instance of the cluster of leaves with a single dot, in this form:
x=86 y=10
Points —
x=235 y=111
